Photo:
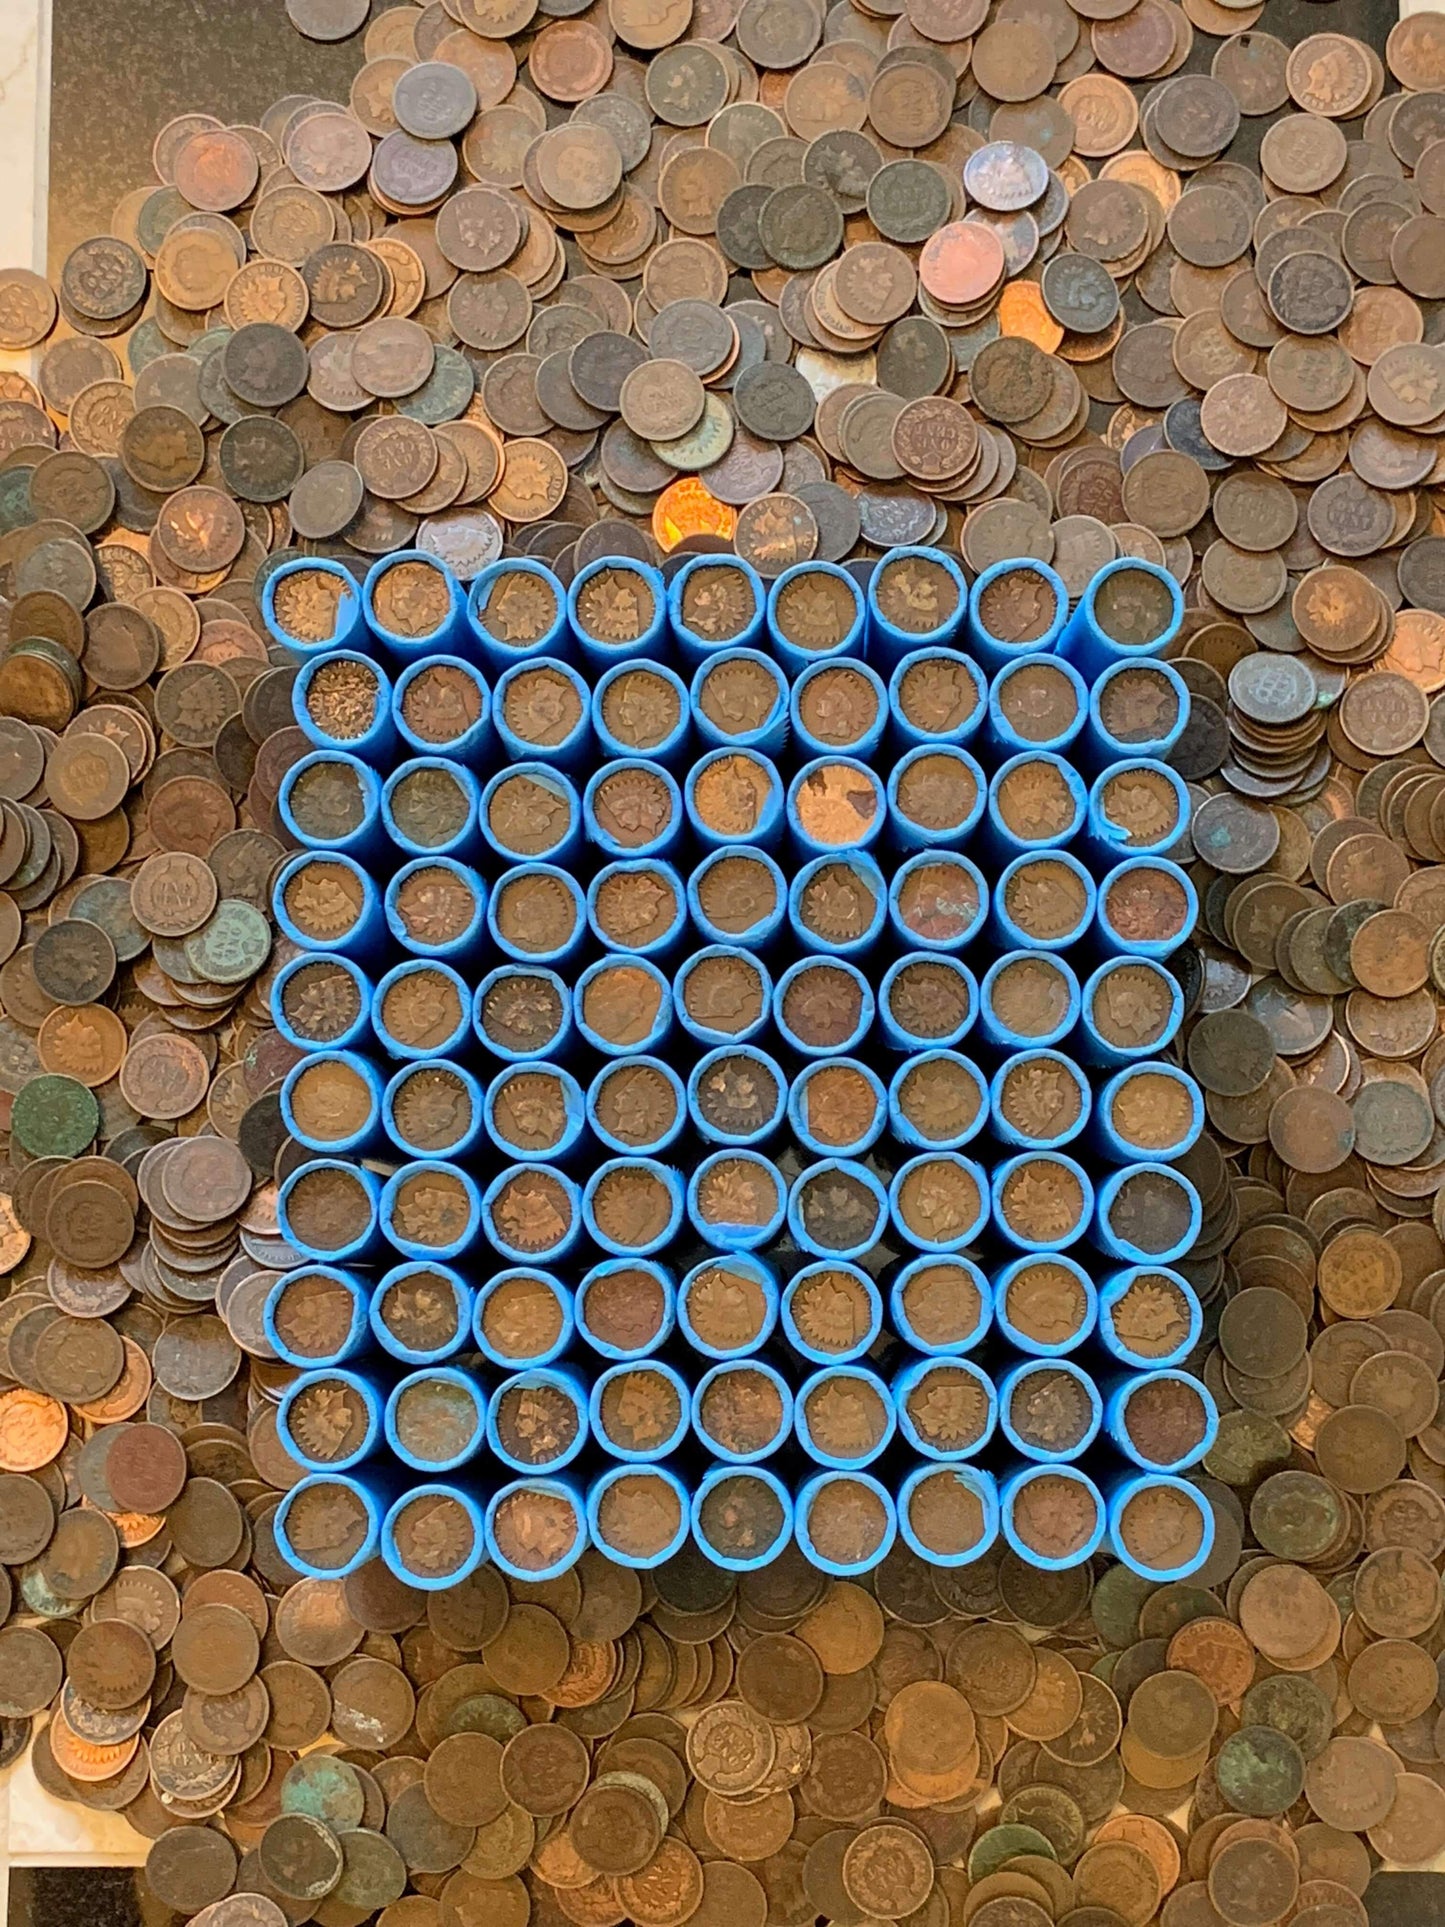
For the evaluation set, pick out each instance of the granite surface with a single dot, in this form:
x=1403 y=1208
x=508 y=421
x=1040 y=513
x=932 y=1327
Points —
x=121 y=68
x=73 y=1897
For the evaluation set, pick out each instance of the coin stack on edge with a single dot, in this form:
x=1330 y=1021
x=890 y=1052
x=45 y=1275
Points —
x=1014 y=286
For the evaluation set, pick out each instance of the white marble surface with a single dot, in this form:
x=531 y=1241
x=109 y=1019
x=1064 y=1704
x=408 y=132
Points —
x=24 y=136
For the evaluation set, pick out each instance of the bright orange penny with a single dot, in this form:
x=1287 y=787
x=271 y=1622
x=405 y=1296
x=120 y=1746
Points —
x=1021 y=312
x=961 y=263
x=33 y=1427
x=688 y=507
x=1417 y=649
x=84 y=1760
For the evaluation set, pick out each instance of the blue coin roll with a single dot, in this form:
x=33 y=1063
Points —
x=329 y=1524
x=516 y=613
x=523 y=1551
x=715 y=602
x=948 y=1515
x=413 y=606
x=617 y=612
x=441 y=706
x=1052 y=1516
x=436 y=1419
x=1167 y=1518
x=1016 y=608
x=1131 y=609
x=433 y=1536
x=306 y=595
x=620 y=1495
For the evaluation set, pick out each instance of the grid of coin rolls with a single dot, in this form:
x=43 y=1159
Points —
x=737 y=1104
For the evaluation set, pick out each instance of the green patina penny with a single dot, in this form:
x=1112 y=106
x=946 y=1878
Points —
x=1260 y=1771
x=1115 y=1607
x=1293 y=1705
x=1247 y=1446
x=1297 y=1516
x=1170 y=1607
x=999 y=1844
x=55 y=1117
x=327 y=1788
x=1053 y=1813
x=231 y=946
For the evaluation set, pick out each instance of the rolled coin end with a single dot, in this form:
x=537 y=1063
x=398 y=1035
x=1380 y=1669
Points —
x=837 y=1107
x=523 y=1317
x=832 y=1312
x=537 y=1420
x=414 y=606
x=433 y=1537
x=640 y=1410
x=815 y=610
x=421 y=1312
x=312 y=606
x=1016 y=608
x=727 y=1307
x=1130 y=609
x=329 y=1524
x=516 y=612
x=1039 y=1100
x=845 y=1522
x=936 y=696
x=948 y=1515
x=844 y=1416
x=1146 y=1214
x=1053 y=1516
x=715 y=602
x=937 y=1100
x=838 y=708
x=1147 y=1110
x=331 y=800
x=916 y=597
x=1137 y=707
x=1160 y=1528
x=316 y=1315
x=1137 y=807
x=1131 y=1008
x=1147 y=907
x=536 y=1529
x=330 y=1420
x=1035 y=702
x=1049 y=1410
x=627 y=1308
x=617 y=610
x=331 y=1103
x=638 y=1515
x=943 y=1306
x=433 y=1109
x=741 y=1517
x=947 y=1407
x=1045 y=1306
x=1163 y=1420
x=436 y=1419
x=1149 y=1316
x=441 y=705
x=641 y=709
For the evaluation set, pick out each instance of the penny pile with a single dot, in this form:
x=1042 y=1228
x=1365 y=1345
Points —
x=1013 y=284
x=781 y=1748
